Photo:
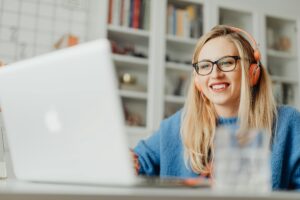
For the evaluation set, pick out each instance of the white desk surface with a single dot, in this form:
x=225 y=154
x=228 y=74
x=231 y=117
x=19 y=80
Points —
x=13 y=189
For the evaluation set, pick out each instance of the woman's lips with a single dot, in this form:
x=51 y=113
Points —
x=218 y=87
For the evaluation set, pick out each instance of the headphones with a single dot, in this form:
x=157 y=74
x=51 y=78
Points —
x=254 y=68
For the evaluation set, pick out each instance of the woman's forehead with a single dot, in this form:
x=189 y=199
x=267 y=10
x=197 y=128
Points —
x=217 y=48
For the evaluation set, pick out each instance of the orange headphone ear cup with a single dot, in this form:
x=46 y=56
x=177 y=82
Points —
x=254 y=74
x=256 y=55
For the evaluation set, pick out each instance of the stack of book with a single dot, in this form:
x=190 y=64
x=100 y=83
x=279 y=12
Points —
x=185 y=21
x=129 y=13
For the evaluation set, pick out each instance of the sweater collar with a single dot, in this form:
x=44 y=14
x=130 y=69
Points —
x=227 y=120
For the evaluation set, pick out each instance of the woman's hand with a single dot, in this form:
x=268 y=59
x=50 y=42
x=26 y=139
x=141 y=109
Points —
x=135 y=161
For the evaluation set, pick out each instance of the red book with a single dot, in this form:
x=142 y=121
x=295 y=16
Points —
x=110 y=4
x=136 y=13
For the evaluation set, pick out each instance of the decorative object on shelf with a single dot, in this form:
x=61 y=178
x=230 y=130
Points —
x=66 y=40
x=125 y=49
x=128 y=81
x=128 y=78
x=179 y=87
x=284 y=43
x=132 y=119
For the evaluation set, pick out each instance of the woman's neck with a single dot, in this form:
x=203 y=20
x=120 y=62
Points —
x=226 y=112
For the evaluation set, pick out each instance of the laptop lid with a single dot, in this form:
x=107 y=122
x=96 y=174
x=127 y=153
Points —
x=63 y=117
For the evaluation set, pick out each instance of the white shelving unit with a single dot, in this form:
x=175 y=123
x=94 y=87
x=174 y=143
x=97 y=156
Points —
x=183 y=24
x=30 y=28
x=162 y=53
x=282 y=61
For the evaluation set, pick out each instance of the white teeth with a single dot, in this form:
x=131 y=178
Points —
x=220 y=86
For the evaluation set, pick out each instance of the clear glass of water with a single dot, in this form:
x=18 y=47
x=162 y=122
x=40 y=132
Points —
x=242 y=160
x=3 y=172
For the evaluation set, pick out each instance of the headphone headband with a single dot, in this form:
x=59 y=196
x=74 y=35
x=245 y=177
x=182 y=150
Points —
x=256 y=53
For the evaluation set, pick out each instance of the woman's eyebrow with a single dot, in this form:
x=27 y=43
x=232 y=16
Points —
x=215 y=59
x=204 y=60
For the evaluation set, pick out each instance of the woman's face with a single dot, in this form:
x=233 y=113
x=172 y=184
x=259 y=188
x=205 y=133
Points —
x=221 y=88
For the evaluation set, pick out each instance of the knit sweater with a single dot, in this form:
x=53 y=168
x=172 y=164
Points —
x=162 y=153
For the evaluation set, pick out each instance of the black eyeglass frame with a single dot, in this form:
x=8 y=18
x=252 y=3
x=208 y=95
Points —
x=195 y=65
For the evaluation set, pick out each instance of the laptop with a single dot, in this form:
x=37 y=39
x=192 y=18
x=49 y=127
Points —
x=64 y=119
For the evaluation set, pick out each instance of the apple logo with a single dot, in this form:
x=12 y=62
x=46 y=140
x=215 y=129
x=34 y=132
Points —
x=52 y=121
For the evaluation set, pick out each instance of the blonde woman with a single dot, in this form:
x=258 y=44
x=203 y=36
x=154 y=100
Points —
x=230 y=87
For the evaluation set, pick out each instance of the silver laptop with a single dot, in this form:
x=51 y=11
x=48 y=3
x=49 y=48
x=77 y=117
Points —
x=63 y=117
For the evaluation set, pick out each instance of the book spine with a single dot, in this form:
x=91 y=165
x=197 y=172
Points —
x=122 y=12
x=146 y=18
x=110 y=7
x=142 y=14
x=116 y=12
x=131 y=13
x=126 y=13
x=136 y=13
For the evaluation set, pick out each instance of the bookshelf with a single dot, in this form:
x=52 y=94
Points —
x=155 y=51
x=184 y=24
x=128 y=27
x=282 y=62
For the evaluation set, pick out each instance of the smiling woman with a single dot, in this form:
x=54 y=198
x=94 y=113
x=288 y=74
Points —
x=229 y=87
x=222 y=84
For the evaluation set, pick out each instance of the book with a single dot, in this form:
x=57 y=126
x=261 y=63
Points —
x=146 y=18
x=126 y=13
x=136 y=13
x=116 y=12
x=110 y=5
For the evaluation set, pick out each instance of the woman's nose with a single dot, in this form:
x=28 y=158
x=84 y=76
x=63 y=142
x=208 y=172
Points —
x=216 y=72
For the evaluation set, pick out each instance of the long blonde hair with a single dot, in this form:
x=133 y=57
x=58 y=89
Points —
x=257 y=107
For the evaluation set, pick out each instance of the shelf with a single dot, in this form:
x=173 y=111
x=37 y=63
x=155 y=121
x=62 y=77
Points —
x=137 y=130
x=134 y=61
x=237 y=18
x=179 y=66
x=133 y=94
x=280 y=54
x=284 y=80
x=175 y=99
x=176 y=39
x=128 y=31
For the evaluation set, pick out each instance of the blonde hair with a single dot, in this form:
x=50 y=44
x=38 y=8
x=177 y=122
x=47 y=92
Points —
x=257 y=107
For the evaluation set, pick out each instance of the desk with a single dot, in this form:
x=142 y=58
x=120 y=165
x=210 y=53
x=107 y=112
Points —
x=13 y=190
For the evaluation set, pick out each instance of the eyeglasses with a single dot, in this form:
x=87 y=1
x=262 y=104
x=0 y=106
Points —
x=225 y=64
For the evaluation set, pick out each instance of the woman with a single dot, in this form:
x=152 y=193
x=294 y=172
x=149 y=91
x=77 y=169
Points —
x=228 y=87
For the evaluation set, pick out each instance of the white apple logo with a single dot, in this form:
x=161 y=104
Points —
x=52 y=121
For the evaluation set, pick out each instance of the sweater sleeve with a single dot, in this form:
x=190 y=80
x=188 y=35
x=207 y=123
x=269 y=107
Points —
x=148 y=155
x=294 y=163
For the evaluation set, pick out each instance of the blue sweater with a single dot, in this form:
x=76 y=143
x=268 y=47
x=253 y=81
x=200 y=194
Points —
x=162 y=153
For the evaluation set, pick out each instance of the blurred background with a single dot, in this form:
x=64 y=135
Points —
x=152 y=43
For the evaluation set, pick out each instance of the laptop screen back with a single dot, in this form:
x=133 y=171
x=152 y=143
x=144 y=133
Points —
x=64 y=119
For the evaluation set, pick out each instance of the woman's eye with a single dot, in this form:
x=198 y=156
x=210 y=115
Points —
x=204 y=66
x=225 y=63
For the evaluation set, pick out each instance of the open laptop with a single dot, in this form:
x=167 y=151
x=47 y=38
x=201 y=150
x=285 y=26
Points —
x=64 y=119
